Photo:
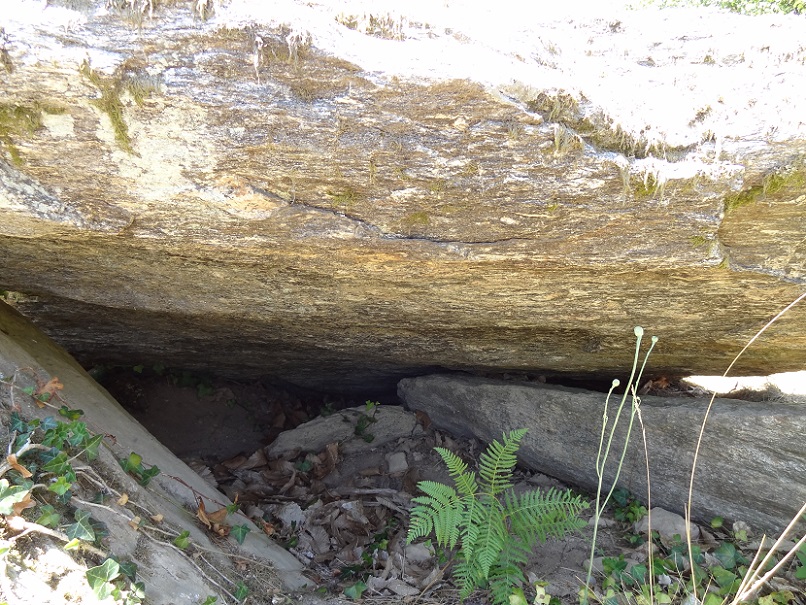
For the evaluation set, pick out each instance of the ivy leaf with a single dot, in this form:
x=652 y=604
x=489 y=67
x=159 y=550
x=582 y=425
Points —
x=70 y=414
x=59 y=465
x=137 y=593
x=78 y=433
x=132 y=464
x=91 y=447
x=241 y=591
x=60 y=486
x=21 y=440
x=100 y=578
x=82 y=529
x=11 y=495
x=728 y=555
x=127 y=568
x=239 y=532
x=182 y=541
x=49 y=516
x=147 y=475
x=55 y=436
x=355 y=591
x=17 y=424
x=48 y=423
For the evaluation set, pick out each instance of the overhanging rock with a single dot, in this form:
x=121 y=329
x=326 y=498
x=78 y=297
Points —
x=342 y=199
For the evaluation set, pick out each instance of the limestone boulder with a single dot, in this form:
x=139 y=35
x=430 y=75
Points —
x=751 y=459
x=343 y=196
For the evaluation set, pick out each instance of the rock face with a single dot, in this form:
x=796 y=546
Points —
x=750 y=466
x=342 y=199
x=171 y=577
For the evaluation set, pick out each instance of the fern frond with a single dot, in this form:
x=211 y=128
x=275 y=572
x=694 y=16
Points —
x=536 y=515
x=467 y=576
x=440 y=510
x=506 y=575
x=457 y=468
x=491 y=522
x=497 y=462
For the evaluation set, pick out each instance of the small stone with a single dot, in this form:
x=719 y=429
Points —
x=667 y=524
x=417 y=553
x=400 y=588
x=397 y=463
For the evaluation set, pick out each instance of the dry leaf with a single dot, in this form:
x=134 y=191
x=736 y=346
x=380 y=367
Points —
x=157 y=518
x=235 y=463
x=257 y=459
x=135 y=523
x=124 y=498
x=50 y=388
x=201 y=514
x=20 y=506
x=12 y=462
x=218 y=517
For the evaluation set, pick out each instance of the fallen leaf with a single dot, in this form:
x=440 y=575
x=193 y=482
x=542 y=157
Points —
x=236 y=462
x=201 y=514
x=290 y=483
x=49 y=389
x=257 y=459
x=124 y=498
x=219 y=516
x=12 y=462
x=157 y=518
x=20 y=506
x=135 y=523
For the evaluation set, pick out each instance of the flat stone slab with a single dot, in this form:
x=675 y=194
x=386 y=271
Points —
x=751 y=463
x=390 y=423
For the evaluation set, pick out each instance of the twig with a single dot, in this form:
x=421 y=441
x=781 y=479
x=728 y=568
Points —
x=27 y=527
x=20 y=452
x=438 y=577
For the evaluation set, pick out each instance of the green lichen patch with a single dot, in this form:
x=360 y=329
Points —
x=110 y=103
x=21 y=121
x=779 y=184
x=645 y=187
x=416 y=218
x=343 y=198
x=698 y=241
x=745 y=197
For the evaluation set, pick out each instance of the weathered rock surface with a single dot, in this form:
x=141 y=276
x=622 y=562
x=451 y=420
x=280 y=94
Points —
x=344 y=198
x=169 y=575
x=751 y=462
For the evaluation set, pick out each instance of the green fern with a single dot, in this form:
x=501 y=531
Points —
x=495 y=528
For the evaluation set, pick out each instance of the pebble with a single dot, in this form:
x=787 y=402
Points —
x=397 y=463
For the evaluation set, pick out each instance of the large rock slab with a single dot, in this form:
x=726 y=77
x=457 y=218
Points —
x=170 y=576
x=751 y=462
x=341 y=196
